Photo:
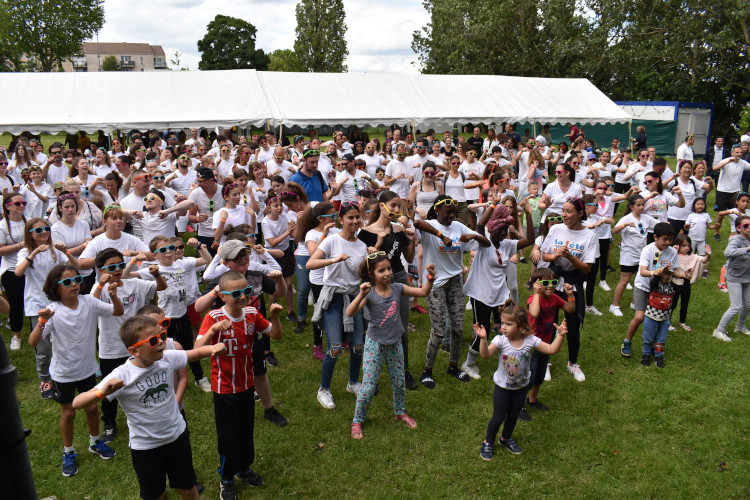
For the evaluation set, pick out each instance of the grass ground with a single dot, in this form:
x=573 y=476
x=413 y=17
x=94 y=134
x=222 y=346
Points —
x=627 y=431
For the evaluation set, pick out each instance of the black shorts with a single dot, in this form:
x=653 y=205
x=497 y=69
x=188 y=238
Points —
x=725 y=201
x=288 y=261
x=628 y=269
x=259 y=357
x=65 y=392
x=173 y=460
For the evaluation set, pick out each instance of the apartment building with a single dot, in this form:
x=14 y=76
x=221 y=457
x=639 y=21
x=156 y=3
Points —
x=130 y=57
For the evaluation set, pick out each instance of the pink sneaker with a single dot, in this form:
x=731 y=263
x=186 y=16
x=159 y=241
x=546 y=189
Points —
x=419 y=309
x=318 y=353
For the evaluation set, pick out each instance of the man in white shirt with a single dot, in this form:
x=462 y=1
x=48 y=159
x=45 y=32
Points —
x=398 y=174
x=372 y=160
x=141 y=182
x=38 y=151
x=280 y=165
x=685 y=151
x=54 y=169
x=420 y=158
x=194 y=140
x=730 y=177
x=265 y=152
x=472 y=170
x=349 y=181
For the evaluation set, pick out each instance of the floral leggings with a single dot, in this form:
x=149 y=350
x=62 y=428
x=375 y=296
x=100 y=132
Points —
x=375 y=353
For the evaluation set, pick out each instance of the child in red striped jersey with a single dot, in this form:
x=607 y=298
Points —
x=237 y=325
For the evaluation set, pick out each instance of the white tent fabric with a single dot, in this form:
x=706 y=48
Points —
x=55 y=102
x=436 y=101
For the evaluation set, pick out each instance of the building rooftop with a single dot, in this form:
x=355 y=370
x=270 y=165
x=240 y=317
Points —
x=122 y=48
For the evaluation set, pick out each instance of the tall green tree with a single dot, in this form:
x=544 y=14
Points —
x=229 y=43
x=284 y=60
x=109 y=63
x=320 y=44
x=48 y=32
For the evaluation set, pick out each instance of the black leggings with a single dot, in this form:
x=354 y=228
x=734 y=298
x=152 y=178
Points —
x=574 y=323
x=482 y=315
x=506 y=405
x=14 y=286
x=620 y=188
x=317 y=332
x=600 y=264
x=181 y=330
x=682 y=292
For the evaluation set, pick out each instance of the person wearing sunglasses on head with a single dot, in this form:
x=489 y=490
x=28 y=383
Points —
x=208 y=200
x=157 y=221
x=36 y=193
x=71 y=231
x=12 y=235
x=564 y=187
x=69 y=323
x=54 y=168
x=133 y=294
x=636 y=171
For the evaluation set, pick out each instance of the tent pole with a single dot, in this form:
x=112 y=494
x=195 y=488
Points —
x=630 y=133
x=281 y=128
x=534 y=127
x=412 y=128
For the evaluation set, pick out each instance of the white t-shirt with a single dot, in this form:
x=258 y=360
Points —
x=657 y=206
x=688 y=192
x=373 y=163
x=57 y=174
x=103 y=170
x=648 y=258
x=235 y=217
x=125 y=242
x=134 y=202
x=33 y=296
x=730 y=176
x=174 y=299
x=542 y=263
x=285 y=170
x=274 y=229
x=634 y=238
x=400 y=187
x=342 y=274
x=35 y=207
x=265 y=155
x=72 y=236
x=224 y=168
x=416 y=163
x=348 y=192
x=8 y=262
x=448 y=260
x=514 y=369
x=698 y=225
x=149 y=401
x=489 y=266
x=476 y=167
x=665 y=177
x=134 y=294
x=153 y=226
x=181 y=183
x=73 y=335
x=581 y=243
x=558 y=197
x=684 y=152
x=605 y=211
x=204 y=207
x=260 y=196
x=455 y=187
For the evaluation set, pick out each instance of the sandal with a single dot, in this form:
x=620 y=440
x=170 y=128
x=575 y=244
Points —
x=412 y=327
x=410 y=422
x=685 y=327
x=357 y=431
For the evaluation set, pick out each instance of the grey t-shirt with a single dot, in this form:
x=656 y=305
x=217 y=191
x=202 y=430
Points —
x=385 y=325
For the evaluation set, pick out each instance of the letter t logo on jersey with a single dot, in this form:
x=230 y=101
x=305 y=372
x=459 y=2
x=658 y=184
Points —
x=231 y=344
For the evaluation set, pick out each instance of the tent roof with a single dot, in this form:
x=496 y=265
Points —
x=180 y=99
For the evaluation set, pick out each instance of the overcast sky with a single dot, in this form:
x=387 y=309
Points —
x=379 y=33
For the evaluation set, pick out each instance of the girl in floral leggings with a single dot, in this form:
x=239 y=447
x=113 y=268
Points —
x=382 y=297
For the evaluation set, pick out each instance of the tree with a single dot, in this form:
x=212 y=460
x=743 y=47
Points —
x=284 y=60
x=320 y=43
x=49 y=32
x=229 y=43
x=109 y=63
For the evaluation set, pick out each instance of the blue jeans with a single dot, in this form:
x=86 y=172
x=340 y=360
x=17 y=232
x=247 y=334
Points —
x=303 y=286
x=334 y=327
x=654 y=336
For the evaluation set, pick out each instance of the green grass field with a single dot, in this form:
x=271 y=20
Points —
x=626 y=432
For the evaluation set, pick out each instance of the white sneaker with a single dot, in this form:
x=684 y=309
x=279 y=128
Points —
x=575 y=370
x=548 y=375
x=15 y=343
x=604 y=286
x=203 y=384
x=593 y=310
x=629 y=286
x=615 y=310
x=472 y=371
x=353 y=388
x=325 y=399
x=468 y=306
x=741 y=329
x=632 y=306
x=721 y=336
x=310 y=299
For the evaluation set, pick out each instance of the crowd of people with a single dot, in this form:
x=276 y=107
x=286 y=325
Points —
x=351 y=233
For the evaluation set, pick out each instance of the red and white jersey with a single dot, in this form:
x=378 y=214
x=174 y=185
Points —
x=232 y=371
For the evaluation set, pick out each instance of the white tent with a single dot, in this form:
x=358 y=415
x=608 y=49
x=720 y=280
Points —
x=55 y=102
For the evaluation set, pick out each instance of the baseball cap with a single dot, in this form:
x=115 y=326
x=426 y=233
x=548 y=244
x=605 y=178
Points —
x=231 y=249
x=205 y=173
x=348 y=157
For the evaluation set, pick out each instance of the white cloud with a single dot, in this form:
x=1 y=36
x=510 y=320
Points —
x=378 y=35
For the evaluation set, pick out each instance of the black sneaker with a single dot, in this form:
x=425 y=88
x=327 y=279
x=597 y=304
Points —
x=460 y=375
x=300 y=327
x=411 y=384
x=292 y=317
x=274 y=416
x=659 y=361
x=511 y=445
x=524 y=415
x=427 y=381
x=256 y=396
x=536 y=404
x=47 y=391
x=271 y=359
x=486 y=451
x=110 y=431
x=522 y=260
x=611 y=269
x=249 y=477
x=227 y=490
x=199 y=487
x=646 y=360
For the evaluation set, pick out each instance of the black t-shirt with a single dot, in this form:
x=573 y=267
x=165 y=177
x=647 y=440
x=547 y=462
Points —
x=475 y=141
x=393 y=245
x=448 y=152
